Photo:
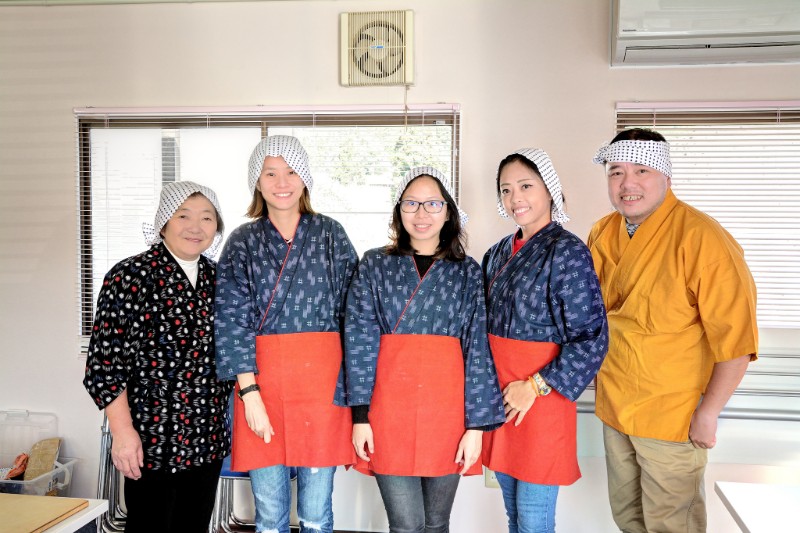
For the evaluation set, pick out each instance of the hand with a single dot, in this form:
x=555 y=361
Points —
x=362 y=440
x=703 y=429
x=725 y=377
x=469 y=449
x=126 y=452
x=256 y=415
x=518 y=398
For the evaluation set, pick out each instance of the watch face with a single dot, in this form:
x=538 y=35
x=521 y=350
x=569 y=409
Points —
x=541 y=385
x=378 y=49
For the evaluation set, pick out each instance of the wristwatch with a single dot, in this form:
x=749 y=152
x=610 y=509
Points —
x=249 y=388
x=542 y=388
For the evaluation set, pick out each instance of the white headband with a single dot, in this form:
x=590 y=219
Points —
x=172 y=197
x=285 y=146
x=434 y=173
x=551 y=180
x=654 y=154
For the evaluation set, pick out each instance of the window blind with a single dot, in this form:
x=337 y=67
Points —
x=357 y=155
x=741 y=165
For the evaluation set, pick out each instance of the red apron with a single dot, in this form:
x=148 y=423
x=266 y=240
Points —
x=417 y=408
x=297 y=374
x=543 y=449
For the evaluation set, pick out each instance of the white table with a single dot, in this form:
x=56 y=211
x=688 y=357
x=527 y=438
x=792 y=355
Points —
x=762 y=507
x=81 y=518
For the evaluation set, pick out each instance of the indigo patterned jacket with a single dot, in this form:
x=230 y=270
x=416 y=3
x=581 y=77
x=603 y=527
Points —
x=153 y=335
x=548 y=292
x=309 y=297
x=449 y=301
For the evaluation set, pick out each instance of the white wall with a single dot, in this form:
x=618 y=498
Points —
x=527 y=73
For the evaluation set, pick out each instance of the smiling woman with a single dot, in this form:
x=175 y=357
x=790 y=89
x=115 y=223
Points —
x=415 y=309
x=151 y=366
x=192 y=228
x=423 y=225
x=525 y=196
x=281 y=284
x=548 y=334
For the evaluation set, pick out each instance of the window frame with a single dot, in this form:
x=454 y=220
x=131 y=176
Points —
x=663 y=116
x=265 y=117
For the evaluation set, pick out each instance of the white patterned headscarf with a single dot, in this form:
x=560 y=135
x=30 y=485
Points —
x=434 y=173
x=548 y=174
x=654 y=154
x=172 y=197
x=285 y=146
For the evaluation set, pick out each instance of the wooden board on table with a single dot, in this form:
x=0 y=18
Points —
x=23 y=513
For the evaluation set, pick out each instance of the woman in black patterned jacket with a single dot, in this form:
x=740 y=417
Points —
x=151 y=367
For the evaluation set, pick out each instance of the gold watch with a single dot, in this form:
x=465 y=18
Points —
x=541 y=385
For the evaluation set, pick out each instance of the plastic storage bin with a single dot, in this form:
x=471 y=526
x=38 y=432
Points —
x=19 y=431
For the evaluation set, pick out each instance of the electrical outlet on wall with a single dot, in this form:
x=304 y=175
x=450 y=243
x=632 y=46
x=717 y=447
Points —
x=489 y=479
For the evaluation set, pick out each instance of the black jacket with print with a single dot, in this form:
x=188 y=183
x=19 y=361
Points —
x=154 y=335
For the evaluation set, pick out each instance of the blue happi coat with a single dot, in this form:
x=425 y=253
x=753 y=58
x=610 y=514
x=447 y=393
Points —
x=310 y=296
x=548 y=292
x=448 y=301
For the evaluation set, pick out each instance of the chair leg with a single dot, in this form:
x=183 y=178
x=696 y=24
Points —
x=108 y=486
x=224 y=517
x=214 y=525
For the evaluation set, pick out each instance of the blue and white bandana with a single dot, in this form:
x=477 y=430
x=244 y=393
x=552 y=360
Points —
x=285 y=146
x=654 y=154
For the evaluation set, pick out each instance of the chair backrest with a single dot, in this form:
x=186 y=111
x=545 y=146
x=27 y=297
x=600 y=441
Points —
x=226 y=471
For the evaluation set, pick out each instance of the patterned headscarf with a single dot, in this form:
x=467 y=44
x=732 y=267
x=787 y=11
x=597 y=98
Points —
x=654 y=154
x=548 y=174
x=285 y=146
x=434 y=173
x=172 y=197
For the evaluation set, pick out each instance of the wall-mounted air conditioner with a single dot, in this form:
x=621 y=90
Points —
x=698 y=32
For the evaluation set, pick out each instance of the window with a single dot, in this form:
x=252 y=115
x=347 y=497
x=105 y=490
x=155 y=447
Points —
x=741 y=164
x=356 y=157
x=743 y=168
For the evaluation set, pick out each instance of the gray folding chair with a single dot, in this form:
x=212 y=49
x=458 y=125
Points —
x=109 y=486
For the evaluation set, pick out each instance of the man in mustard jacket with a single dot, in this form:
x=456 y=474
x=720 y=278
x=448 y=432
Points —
x=682 y=318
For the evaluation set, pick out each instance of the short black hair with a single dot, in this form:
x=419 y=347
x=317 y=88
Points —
x=638 y=134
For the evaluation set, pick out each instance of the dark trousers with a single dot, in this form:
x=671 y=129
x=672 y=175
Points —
x=418 y=504
x=180 y=502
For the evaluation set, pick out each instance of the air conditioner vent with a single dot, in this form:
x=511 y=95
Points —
x=376 y=48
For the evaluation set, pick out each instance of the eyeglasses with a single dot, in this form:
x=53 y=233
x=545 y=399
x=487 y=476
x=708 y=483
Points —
x=431 y=206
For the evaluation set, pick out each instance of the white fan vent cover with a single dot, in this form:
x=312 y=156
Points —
x=376 y=48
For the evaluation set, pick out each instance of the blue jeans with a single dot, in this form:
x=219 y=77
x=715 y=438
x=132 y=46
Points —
x=273 y=498
x=418 y=504
x=530 y=508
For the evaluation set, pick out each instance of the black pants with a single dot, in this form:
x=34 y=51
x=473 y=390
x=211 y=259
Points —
x=181 y=502
x=418 y=504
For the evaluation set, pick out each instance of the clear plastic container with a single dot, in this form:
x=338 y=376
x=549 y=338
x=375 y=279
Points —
x=19 y=431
